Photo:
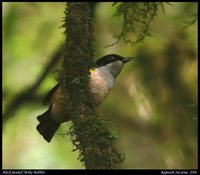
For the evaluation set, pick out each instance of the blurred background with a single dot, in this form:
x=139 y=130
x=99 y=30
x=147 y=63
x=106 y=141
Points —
x=153 y=104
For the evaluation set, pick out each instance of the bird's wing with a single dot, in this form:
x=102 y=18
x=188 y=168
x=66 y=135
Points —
x=47 y=99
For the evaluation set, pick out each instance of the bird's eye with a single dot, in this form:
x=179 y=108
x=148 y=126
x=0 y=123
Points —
x=112 y=58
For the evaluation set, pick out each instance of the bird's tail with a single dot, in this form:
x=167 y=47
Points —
x=47 y=126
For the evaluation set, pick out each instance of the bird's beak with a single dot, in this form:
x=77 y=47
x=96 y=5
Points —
x=125 y=60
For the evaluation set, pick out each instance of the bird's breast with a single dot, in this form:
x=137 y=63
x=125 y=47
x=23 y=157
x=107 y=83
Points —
x=100 y=84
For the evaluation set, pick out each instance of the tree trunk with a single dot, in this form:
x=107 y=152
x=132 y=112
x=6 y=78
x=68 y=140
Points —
x=89 y=133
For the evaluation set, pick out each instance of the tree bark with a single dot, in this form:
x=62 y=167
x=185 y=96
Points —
x=89 y=133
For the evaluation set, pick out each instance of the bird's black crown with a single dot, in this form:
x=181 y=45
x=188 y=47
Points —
x=108 y=59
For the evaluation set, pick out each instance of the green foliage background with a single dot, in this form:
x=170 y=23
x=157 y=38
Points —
x=153 y=104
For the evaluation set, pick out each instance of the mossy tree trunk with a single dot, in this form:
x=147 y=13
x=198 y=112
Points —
x=89 y=134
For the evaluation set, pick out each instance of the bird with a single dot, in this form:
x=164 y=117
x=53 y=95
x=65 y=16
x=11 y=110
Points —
x=102 y=78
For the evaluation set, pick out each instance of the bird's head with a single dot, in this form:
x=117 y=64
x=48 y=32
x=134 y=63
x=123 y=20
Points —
x=113 y=63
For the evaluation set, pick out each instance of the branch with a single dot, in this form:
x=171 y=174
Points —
x=89 y=134
x=29 y=93
x=137 y=17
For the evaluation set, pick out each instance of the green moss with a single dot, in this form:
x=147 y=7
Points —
x=92 y=137
x=89 y=134
x=137 y=17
